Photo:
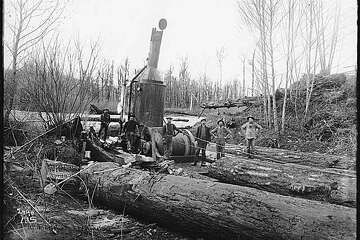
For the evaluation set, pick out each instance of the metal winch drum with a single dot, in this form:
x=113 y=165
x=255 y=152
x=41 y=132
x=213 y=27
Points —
x=184 y=144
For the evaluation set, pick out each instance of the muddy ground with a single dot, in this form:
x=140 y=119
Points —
x=69 y=216
x=69 y=213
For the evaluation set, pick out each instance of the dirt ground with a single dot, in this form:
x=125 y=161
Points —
x=69 y=217
x=69 y=213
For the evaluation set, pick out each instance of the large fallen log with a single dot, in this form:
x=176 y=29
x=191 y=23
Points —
x=217 y=210
x=287 y=179
x=315 y=159
x=98 y=153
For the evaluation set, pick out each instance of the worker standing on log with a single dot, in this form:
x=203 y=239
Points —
x=203 y=136
x=105 y=121
x=220 y=133
x=131 y=129
x=168 y=133
x=250 y=130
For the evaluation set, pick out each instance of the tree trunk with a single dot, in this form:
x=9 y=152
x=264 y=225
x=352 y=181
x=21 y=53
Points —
x=290 y=180
x=274 y=108
x=313 y=159
x=252 y=74
x=244 y=89
x=217 y=210
x=13 y=86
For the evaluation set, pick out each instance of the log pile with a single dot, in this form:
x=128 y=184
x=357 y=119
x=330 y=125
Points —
x=292 y=180
x=217 y=210
x=246 y=101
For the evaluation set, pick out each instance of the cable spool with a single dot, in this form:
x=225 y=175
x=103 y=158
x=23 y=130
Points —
x=193 y=143
x=183 y=143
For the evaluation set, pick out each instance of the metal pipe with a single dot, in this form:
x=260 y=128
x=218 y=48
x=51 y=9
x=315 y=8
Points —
x=131 y=83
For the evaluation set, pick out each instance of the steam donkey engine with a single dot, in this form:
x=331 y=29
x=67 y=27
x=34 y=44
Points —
x=148 y=92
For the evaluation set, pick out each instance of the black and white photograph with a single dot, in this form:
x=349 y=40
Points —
x=179 y=119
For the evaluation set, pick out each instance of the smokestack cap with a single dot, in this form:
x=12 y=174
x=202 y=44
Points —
x=162 y=24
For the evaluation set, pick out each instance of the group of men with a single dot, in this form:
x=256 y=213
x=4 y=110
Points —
x=130 y=130
x=221 y=134
x=203 y=135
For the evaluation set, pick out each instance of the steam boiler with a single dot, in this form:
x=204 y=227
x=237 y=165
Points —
x=146 y=101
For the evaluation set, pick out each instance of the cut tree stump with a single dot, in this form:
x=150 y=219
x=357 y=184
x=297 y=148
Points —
x=287 y=179
x=217 y=210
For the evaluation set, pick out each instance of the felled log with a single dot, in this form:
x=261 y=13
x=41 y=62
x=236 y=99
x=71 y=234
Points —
x=97 y=118
x=102 y=153
x=98 y=153
x=95 y=110
x=247 y=101
x=217 y=210
x=291 y=180
x=314 y=159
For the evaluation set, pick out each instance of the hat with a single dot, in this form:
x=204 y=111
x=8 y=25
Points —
x=204 y=119
x=220 y=120
x=250 y=117
x=131 y=115
x=168 y=117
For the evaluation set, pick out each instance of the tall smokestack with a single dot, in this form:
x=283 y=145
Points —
x=150 y=90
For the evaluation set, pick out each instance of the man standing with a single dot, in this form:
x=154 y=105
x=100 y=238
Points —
x=168 y=133
x=203 y=136
x=250 y=129
x=220 y=133
x=131 y=129
x=105 y=121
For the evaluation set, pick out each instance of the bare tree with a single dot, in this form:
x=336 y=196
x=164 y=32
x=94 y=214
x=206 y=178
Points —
x=311 y=47
x=122 y=81
x=220 y=55
x=272 y=11
x=292 y=27
x=28 y=23
x=244 y=88
x=254 y=15
x=252 y=62
x=59 y=82
x=325 y=27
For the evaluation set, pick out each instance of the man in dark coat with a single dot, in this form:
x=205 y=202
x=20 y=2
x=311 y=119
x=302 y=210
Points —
x=168 y=133
x=105 y=121
x=203 y=136
x=131 y=129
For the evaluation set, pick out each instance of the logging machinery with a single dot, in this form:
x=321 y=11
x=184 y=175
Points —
x=146 y=100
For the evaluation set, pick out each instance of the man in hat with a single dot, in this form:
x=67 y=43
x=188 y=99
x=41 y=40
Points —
x=131 y=129
x=168 y=133
x=105 y=121
x=220 y=133
x=250 y=130
x=203 y=136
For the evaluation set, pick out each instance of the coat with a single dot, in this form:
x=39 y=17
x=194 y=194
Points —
x=207 y=133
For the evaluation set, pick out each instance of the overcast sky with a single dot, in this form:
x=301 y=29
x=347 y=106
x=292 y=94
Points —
x=196 y=28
